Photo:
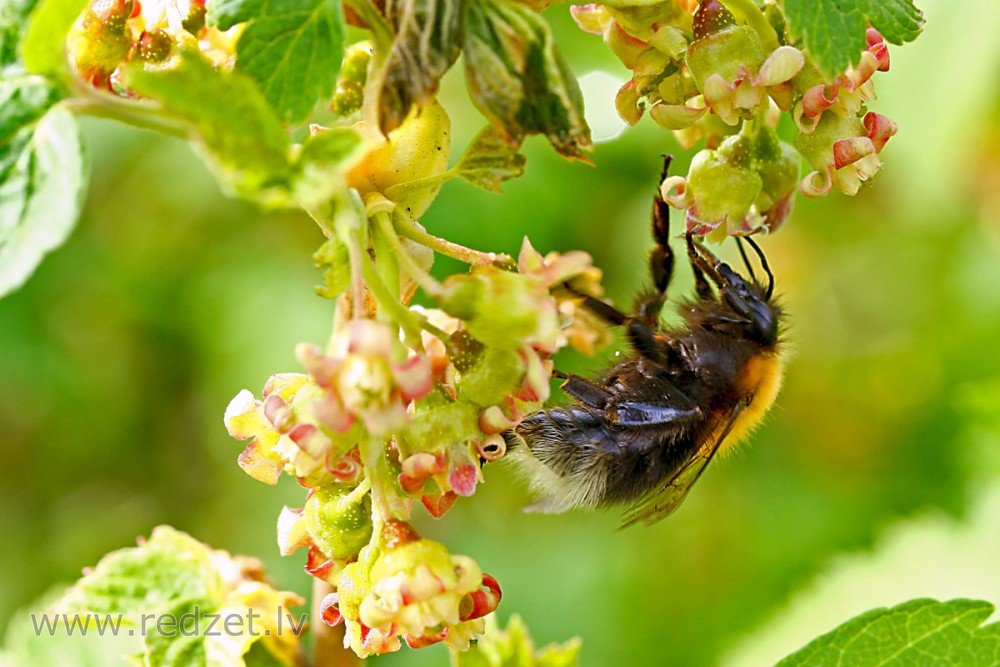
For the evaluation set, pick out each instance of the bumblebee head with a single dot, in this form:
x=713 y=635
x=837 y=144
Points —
x=752 y=303
x=749 y=301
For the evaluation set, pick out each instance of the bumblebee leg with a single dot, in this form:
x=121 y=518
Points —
x=603 y=310
x=643 y=338
x=746 y=260
x=639 y=331
x=661 y=258
x=764 y=265
x=585 y=391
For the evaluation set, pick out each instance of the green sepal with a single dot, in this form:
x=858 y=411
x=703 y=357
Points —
x=514 y=647
x=323 y=159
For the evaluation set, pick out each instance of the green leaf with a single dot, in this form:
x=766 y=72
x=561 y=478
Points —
x=259 y=656
x=226 y=13
x=293 y=50
x=23 y=100
x=322 y=162
x=170 y=570
x=427 y=43
x=898 y=21
x=30 y=641
x=519 y=80
x=43 y=49
x=13 y=15
x=44 y=173
x=918 y=632
x=180 y=651
x=833 y=31
x=490 y=160
x=243 y=138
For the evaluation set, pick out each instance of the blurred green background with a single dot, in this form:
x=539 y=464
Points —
x=119 y=356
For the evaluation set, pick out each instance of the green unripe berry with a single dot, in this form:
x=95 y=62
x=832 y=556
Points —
x=339 y=526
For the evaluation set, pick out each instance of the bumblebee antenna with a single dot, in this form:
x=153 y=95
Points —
x=763 y=263
x=746 y=261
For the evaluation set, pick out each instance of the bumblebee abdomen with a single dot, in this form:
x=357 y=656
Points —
x=579 y=459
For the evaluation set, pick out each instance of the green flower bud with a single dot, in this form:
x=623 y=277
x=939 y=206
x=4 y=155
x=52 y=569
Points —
x=498 y=374
x=439 y=421
x=99 y=41
x=348 y=98
x=723 y=185
x=501 y=308
x=416 y=150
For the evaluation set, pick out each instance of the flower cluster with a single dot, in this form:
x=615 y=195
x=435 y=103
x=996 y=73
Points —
x=404 y=586
x=705 y=74
x=111 y=33
x=381 y=420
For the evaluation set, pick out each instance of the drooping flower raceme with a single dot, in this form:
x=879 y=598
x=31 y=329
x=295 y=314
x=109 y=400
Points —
x=381 y=420
x=704 y=72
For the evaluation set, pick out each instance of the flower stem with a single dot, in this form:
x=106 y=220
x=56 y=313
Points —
x=354 y=497
x=751 y=14
x=372 y=451
x=408 y=229
x=440 y=334
x=146 y=115
x=421 y=277
x=387 y=266
x=399 y=314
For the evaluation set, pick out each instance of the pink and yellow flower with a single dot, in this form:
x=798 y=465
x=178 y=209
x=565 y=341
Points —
x=848 y=92
x=412 y=589
x=730 y=67
x=362 y=378
x=844 y=152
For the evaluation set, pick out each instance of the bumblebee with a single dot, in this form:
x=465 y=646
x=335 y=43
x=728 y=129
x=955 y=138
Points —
x=643 y=434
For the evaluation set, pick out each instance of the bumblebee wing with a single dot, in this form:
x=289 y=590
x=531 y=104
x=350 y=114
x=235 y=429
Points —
x=663 y=501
